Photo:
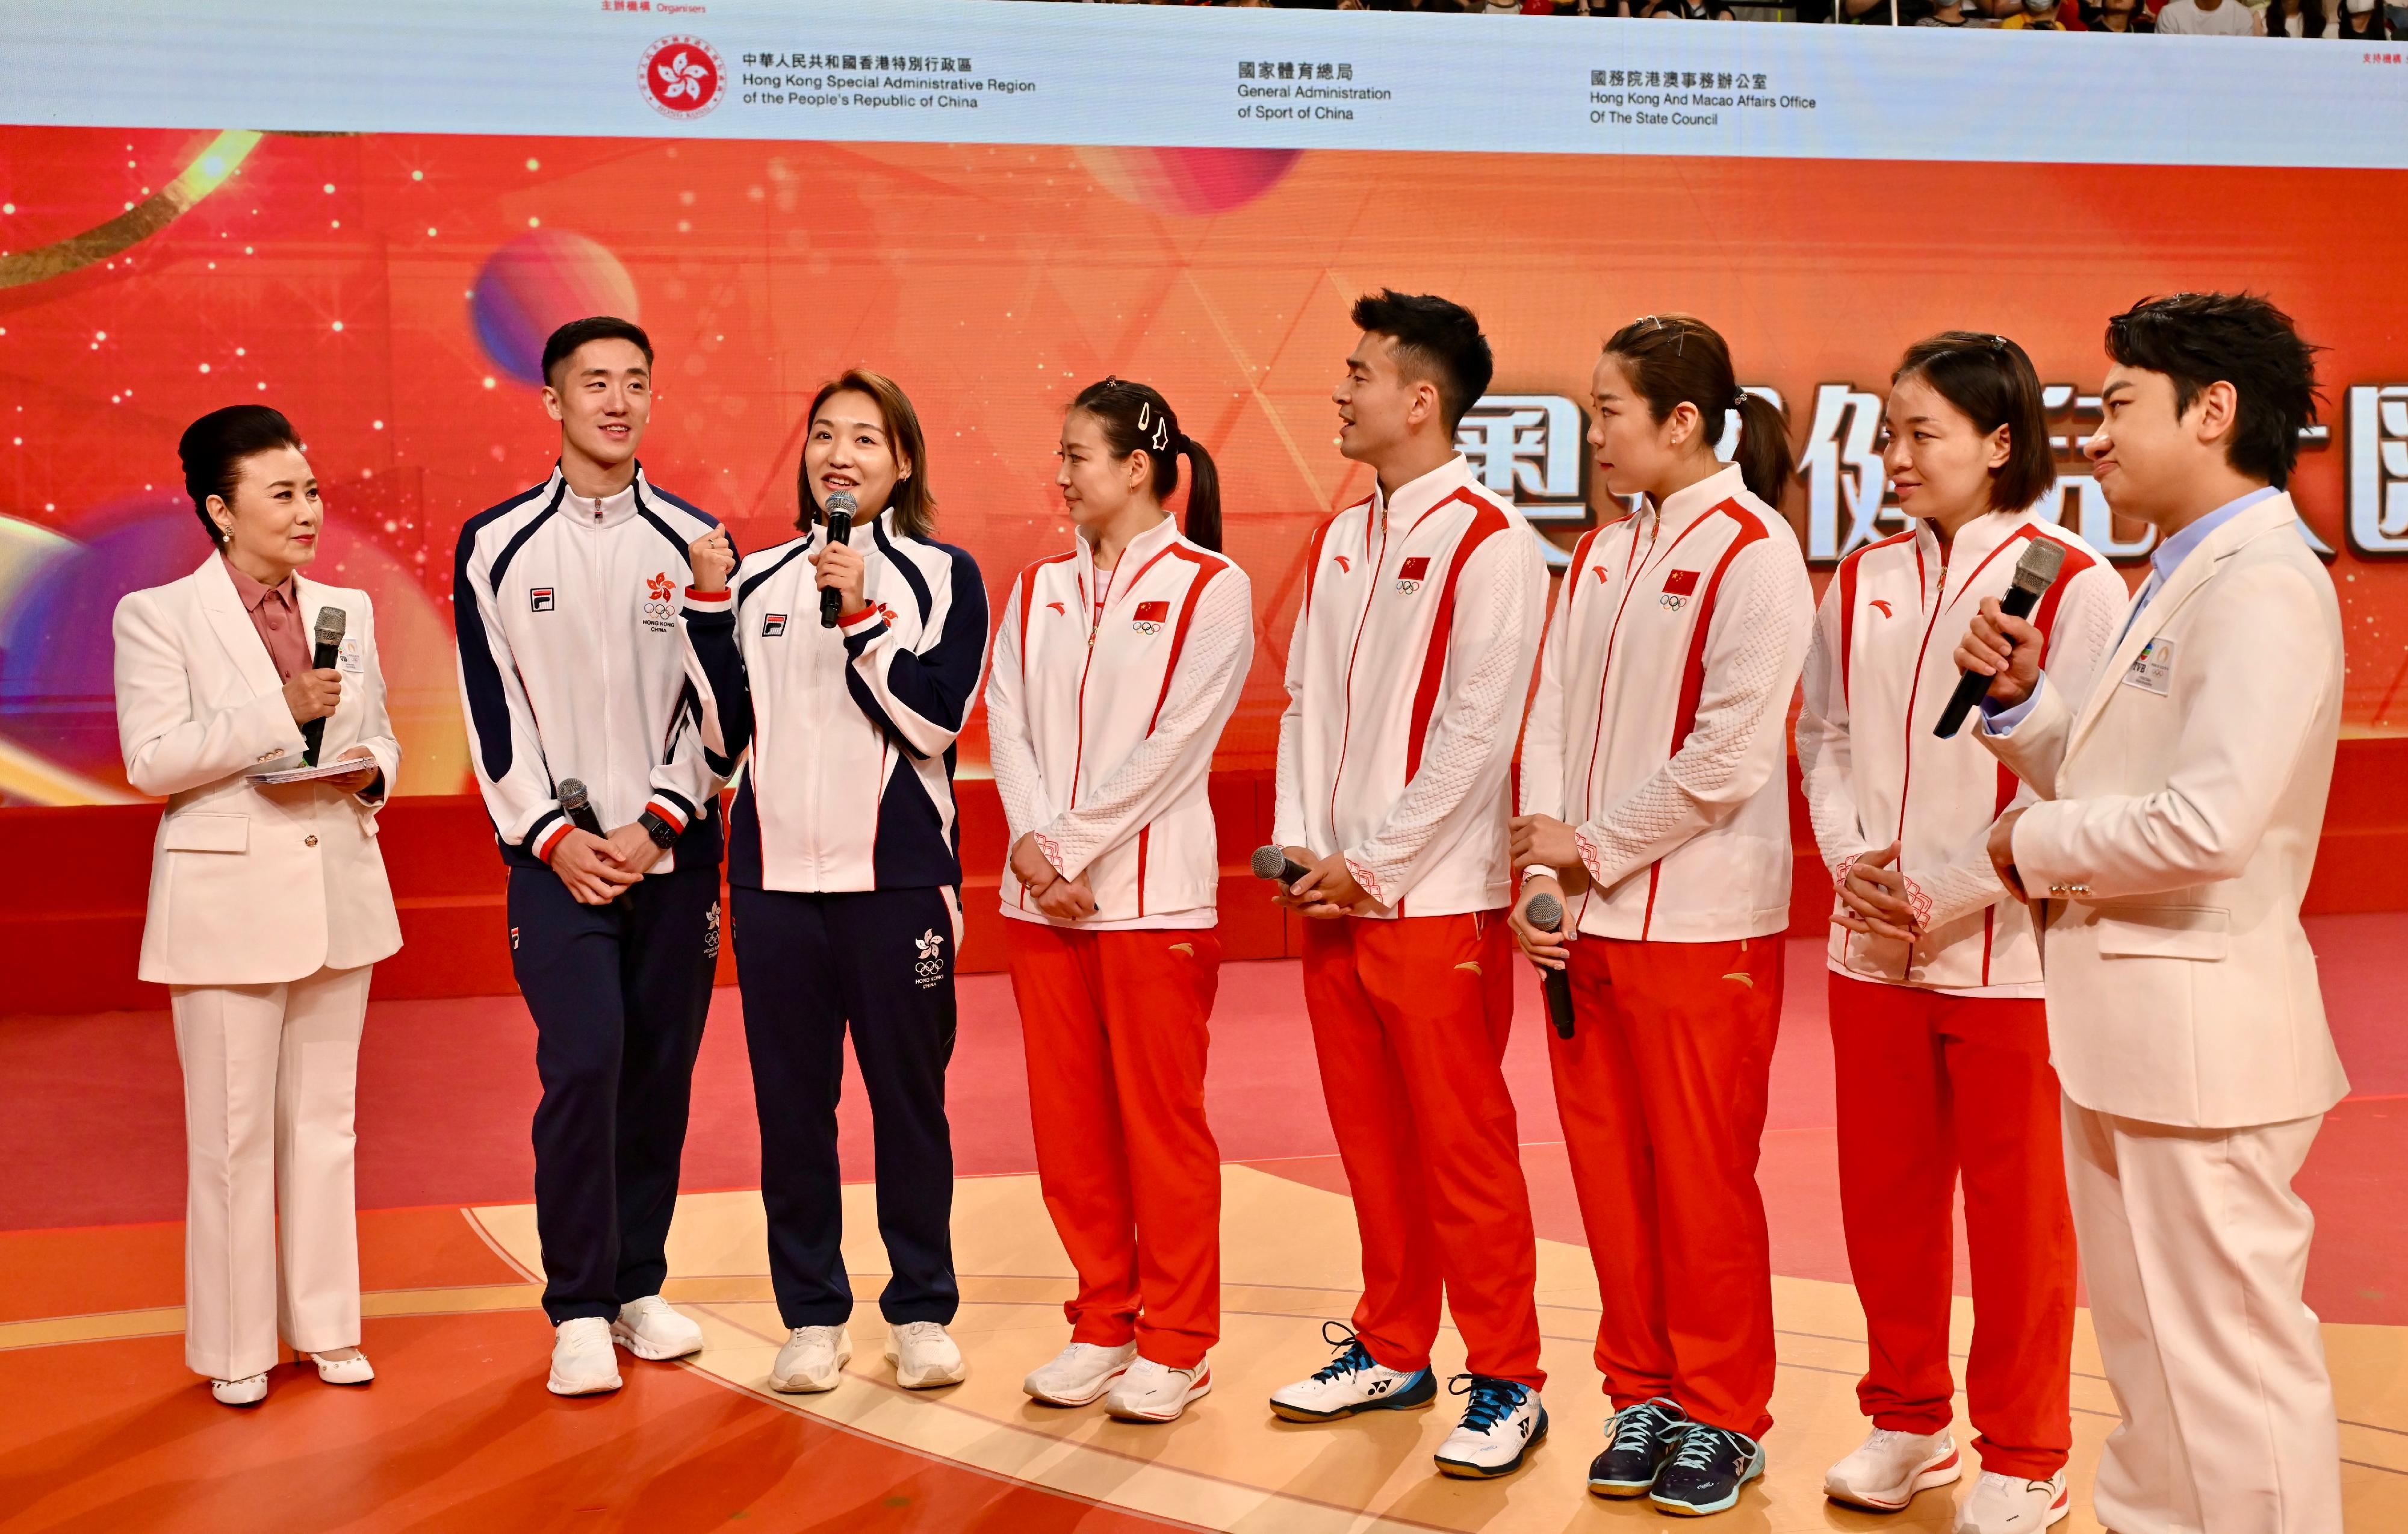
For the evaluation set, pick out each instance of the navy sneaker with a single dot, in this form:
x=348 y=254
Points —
x=1706 y=1471
x=1352 y=1381
x=1499 y=1429
x=1644 y=1436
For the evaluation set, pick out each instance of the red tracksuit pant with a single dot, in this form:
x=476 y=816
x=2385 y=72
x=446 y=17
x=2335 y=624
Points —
x=1930 y=1083
x=1116 y=1025
x=1661 y=1089
x=1410 y=1019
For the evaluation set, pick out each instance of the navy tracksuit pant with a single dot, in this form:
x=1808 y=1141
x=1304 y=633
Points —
x=880 y=960
x=619 y=994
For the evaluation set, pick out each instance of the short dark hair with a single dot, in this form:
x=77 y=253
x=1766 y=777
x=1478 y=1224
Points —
x=214 y=447
x=1436 y=339
x=2201 y=338
x=593 y=328
x=1991 y=381
x=912 y=502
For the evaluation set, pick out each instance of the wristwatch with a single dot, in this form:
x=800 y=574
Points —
x=660 y=830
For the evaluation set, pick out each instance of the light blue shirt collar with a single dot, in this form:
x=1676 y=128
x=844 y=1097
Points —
x=2167 y=557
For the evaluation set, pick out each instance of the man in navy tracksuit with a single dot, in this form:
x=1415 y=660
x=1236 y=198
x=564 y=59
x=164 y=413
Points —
x=572 y=667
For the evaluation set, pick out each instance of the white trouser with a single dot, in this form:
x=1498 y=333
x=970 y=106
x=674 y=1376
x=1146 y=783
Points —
x=269 y=1078
x=2196 y=1251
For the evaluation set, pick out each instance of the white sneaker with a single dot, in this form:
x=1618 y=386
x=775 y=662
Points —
x=649 y=1328
x=1352 y=1382
x=924 y=1357
x=1887 y=1468
x=2009 y=1504
x=1499 y=1429
x=1079 y=1374
x=811 y=1360
x=1152 y=1392
x=583 y=1363
x=352 y=1370
x=249 y=1391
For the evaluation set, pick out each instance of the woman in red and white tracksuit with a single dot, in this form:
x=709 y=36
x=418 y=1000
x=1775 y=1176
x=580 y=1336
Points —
x=1117 y=665
x=1937 y=1030
x=1655 y=806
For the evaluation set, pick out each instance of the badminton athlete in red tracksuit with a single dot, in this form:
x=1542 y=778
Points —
x=1115 y=669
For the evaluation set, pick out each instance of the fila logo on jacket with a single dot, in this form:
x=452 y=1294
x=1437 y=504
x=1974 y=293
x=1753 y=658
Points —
x=850 y=730
x=1658 y=730
x=1101 y=726
x=570 y=663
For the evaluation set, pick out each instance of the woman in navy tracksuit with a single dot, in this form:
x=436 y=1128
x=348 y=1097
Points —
x=844 y=862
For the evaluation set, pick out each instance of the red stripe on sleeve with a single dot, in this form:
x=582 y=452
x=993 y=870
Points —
x=1486 y=521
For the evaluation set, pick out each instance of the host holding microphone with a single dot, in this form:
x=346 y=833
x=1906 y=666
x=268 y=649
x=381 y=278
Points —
x=269 y=902
x=2182 y=792
x=843 y=860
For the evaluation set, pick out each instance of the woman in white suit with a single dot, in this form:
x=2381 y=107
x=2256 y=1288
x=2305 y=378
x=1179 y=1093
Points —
x=268 y=903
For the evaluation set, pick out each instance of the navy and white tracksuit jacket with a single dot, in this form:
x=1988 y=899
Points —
x=845 y=871
x=572 y=665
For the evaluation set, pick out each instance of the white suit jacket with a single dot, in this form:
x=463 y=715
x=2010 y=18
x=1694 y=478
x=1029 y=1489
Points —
x=2183 y=797
x=250 y=885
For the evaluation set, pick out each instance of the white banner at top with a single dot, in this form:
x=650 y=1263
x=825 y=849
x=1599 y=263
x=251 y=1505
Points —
x=1000 y=72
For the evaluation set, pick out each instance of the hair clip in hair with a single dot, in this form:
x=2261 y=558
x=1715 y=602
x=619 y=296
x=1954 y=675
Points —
x=1144 y=414
x=1738 y=399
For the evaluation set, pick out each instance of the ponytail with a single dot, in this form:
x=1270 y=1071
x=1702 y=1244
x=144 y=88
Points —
x=1203 y=496
x=1134 y=418
x=1676 y=358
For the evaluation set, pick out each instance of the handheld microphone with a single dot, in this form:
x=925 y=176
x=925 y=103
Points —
x=329 y=637
x=2034 y=574
x=1274 y=863
x=1546 y=913
x=841 y=508
x=577 y=806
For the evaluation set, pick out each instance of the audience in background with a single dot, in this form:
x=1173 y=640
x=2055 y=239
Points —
x=2210 y=19
x=2119 y=16
x=2037 y=16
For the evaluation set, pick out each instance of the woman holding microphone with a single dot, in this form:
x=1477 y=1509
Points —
x=269 y=902
x=1117 y=664
x=846 y=662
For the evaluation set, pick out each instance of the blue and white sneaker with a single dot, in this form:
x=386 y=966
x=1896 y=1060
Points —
x=1706 y=1471
x=1499 y=1429
x=1643 y=1436
x=1352 y=1382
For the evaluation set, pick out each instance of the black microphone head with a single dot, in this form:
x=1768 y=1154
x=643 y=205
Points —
x=1546 y=911
x=2043 y=558
x=572 y=795
x=1268 y=862
x=331 y=623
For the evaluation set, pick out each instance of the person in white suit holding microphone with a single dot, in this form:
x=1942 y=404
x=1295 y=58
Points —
x=2181 y=793
x=269 y=902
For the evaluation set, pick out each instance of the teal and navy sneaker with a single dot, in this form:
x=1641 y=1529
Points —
x=1706 y=1471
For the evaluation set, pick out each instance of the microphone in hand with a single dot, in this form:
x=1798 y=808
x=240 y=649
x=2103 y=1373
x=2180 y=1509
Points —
x=1546 y=913
x=840 y=510
x=579 y=806
x=1273 y=863
x=328 y=634
x=2035 y=572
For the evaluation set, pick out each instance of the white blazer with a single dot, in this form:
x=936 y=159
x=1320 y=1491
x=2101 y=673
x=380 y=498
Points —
x=250 y=885
x=2185 y=791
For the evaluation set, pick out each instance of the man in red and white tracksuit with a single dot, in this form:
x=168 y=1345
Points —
x=1941 y=1043
x=1658 y=735
x=1406 y=677
x=1108 y=690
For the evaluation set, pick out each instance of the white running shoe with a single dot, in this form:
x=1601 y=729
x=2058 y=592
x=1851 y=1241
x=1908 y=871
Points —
x=352 y=1370
x=1152 y=1392
x=811 y=1360
x=1499 y=1429
x=582 y=1361
x=1352 y=1381
x=248 y=1391
x=1079 y=1374
x=1887 y=1468
x=650 y=1328
x=924 y=1357
x=2009 y=1504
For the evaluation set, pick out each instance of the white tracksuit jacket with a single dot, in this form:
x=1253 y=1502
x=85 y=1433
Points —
x=571 y=665
x=851 y=730
x=1658 y=727
x=1877 y=676
x=1102 y=724
x=1406 y=675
